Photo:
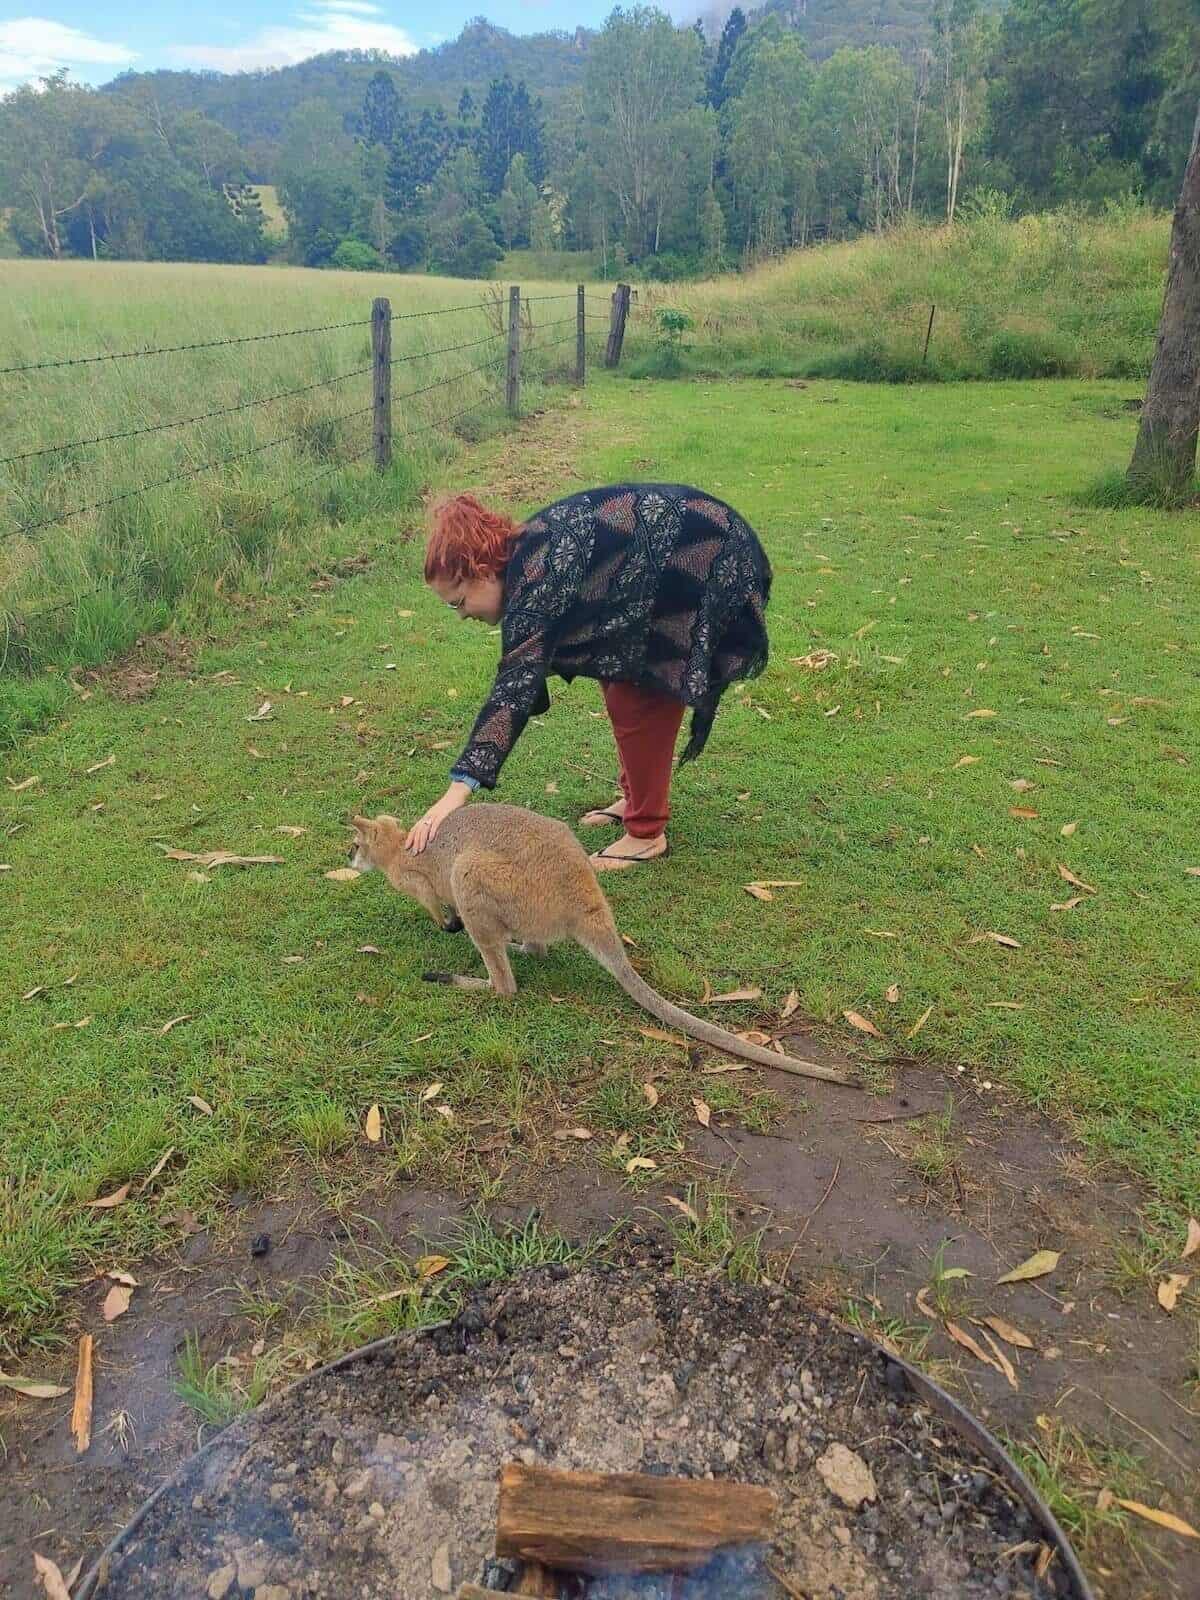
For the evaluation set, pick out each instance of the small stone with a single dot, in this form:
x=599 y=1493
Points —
x=847 y=1476
x=439 y=1574
x=272 y=1591
x=221 y=1581
x=731 y=1450
x=894 y=1559
x=251 y=1570
x=376 y=1509
x=358 y=1485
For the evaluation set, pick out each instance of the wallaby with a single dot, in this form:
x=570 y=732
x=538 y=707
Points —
x=515 y=877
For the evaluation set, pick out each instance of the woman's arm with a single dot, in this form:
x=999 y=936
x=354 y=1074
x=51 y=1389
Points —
x=421 y=832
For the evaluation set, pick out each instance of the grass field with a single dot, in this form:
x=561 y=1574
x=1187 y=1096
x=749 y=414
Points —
x=1013 y=691
x=1046 y=296
x=144 y=559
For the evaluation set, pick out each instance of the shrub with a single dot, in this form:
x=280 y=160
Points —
x=1013 y=353
x=355 y=255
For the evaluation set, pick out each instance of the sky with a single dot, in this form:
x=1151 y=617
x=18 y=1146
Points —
x=96 y=41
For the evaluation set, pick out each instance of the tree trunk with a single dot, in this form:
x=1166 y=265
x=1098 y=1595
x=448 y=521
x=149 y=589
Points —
x=1165 y=452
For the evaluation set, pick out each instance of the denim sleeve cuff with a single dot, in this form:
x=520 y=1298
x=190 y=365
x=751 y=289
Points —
x=465 y=777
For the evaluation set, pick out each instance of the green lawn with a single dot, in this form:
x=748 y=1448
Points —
x=929 y=538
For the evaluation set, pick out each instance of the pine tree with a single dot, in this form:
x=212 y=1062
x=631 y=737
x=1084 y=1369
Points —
x=380 y=111
x=735 y=27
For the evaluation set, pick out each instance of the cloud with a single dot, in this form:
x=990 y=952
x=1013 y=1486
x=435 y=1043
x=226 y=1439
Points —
x=33 y=47
x=326 y=25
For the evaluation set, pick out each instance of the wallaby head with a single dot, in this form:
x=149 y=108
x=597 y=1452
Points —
x=376 y=842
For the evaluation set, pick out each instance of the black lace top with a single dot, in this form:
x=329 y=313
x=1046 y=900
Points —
x=652 y=583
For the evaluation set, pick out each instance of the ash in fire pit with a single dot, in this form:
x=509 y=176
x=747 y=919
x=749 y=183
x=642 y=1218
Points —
x=380 y=1478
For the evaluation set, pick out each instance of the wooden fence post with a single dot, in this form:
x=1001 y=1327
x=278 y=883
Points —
x=381 y=367
x=512 y=388
x=616 y=332
x=581 y=335
x=928 y=334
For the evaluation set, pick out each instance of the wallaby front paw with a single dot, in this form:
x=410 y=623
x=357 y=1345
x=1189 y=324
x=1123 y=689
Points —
x=453 y=924
x=437 y=977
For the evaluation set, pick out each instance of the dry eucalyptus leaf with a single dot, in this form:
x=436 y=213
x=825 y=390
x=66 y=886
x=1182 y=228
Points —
x=1008 y=1333
x=292 y=833
x=26 y=783
x=369 y=950
x=790 y=1006
x=620 y=1144
x=221 y=858
x=1002 y=1361
x=892 y=993
x=1193 y=1238
x=1069 y=877
x=962 y=1337
x=262 y=714
x=682 y=1205
x=965 y=761
x=703 y=1111
x=733 y=994
x=32 y=1388
x=641 y=1164
x=1067 y=829
x=433 y=1090
x=343 y=874
x=980 y=713
x=100 y=765
x=201 y=1104
x=919 y=1023
x=581 y=1134
x=157 y=1168
x=755 y=1036
x=663 y=1036
x=651 y=1094
x=109 y=1200
x=373 y=1127
x=863 y=1024
x=127 y=1278
x=923 y=1305
x=1006 y=1005
x=116 y=1302
x=1021 y=785
x=81 y=1412
x=1037 y=1266
x=1162 y=1519
x=32 y=994
x=1004 y=939
x=1192 y=872
x=757 y=890
x=1024 y=813
x=1170 y=1287
x=430 y=1266
x=175 y=1021
x=50 y=1577
x=781 y=883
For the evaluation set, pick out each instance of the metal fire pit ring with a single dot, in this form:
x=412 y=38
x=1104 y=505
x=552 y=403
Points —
x=94 y=1583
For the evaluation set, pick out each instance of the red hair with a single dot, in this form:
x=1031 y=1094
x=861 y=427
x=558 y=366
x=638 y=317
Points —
x=466 y=540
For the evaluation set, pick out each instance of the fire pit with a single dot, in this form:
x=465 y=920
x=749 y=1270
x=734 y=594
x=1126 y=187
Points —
x=379 y=1476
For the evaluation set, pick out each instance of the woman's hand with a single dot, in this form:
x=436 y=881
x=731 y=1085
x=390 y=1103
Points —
x=421 y=833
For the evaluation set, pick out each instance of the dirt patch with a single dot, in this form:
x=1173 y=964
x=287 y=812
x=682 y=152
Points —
x=380 y=1478
x=534 y=463
x=135 y=675
x=325 y=577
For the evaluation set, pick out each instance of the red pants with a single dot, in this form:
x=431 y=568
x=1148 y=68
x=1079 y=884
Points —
x=644 y=724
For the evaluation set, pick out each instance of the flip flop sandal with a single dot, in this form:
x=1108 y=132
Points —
x=599 y=811
x=633 y=861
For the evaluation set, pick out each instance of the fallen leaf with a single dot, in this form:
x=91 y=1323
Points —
x=1169 y=1288
x=201 y=1104
x=1038 y=1265
x=100 y=765
x=1193 y=1238
x=790 y=1006
x=1002 y=1361
x=1069 y=877
x=50 y=1578
x=663 y=1036
x=1067 y=905
x=156 y=1168
x=923 y=1305
x=292 y=833
x=116 y=1302
x=127 y=1278
x=980 y=713
x=343 y=874
x=428 y=1094
x=1005 y=939
x=291 y=961
x=965 y=761
x=651 y=1094
x=951 y=1274
x=815 y=661
x=551 y=788
x=81 y=1413
x=430 y=1266
x=1105 y=1501
x=1007 y=1332
x=32 y=994
x=881 y=933
x=892 y=993
x=221 y=858
x=919 y=1023
x=724 y=1066
x=175 y=1021
x=369 y=950
x=373 y=1127
x=1067 y=829
x=445 y=1111
x=109 y=1200
x=1021 y=785
x=641 y=1164
x=703 y=1111
x=962 y=1337
x=682 y=1205
x=757 y=890
x=863 y=1024
x=755 y=1036
x=1044 y=1557
x=26 y=783
x=33 y=1388
x=780 y=883
x=84 y=1022
x=262 y=714
x=1163 y=1519
x=581 y=1134
x=1025 y=813
x=733 y=994
x=346 y=700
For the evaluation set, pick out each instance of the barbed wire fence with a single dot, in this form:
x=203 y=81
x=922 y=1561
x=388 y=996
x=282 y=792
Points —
x=528 y=337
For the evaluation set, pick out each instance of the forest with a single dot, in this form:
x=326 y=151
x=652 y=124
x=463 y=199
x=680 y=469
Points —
x=666 y=149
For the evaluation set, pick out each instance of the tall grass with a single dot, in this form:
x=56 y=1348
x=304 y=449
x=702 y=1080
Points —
x=77 y=591
x=1056 y=295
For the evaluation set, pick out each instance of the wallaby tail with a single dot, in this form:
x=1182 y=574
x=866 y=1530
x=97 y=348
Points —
x=609 y=953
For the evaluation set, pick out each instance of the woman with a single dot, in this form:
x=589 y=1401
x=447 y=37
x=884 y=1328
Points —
x=657 y=590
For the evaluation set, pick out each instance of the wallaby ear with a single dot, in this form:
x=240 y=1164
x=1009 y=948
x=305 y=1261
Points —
x=362 y=824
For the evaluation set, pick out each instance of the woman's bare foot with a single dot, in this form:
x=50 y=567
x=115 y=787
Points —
x=629 y=852
x=604 y=816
